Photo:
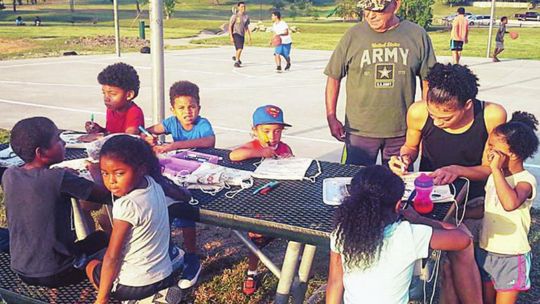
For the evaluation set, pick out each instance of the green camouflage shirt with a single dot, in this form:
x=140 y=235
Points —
x=381 y=70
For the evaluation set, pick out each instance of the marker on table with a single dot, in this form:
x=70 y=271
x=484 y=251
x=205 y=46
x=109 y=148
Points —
x=269 y=188
x=145 y=132
x=267 y=185
x=92 y=120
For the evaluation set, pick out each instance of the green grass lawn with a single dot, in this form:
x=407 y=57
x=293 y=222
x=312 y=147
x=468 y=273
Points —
x=324 y=36
x=62 y=26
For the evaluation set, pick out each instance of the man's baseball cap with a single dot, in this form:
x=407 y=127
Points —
x=268 y=114
x=373 y=5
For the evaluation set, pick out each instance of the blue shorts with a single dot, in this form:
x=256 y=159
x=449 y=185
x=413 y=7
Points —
x=283 y=50
x=506 y=272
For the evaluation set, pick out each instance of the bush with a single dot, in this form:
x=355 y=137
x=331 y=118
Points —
x=348 y=10
x=417 y=11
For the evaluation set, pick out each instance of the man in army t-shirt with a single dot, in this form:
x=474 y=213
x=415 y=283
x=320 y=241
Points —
x=381 y=57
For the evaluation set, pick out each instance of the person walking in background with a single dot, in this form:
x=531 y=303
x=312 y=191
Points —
x=238 y=27
x=281 y=40
x=499 y=39
x=459 y=35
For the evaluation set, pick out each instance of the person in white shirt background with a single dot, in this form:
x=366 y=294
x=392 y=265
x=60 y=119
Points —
x=281 y=40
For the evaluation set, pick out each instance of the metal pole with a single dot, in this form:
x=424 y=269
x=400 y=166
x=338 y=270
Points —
x=116 y=27
x=288 y=271
x=156 y=49
x=492 y=17
x=253 y=248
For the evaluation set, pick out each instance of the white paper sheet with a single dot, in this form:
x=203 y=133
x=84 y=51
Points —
x=292 y=168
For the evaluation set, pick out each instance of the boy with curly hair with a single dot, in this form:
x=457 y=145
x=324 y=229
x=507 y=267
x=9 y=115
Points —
x=120 y=85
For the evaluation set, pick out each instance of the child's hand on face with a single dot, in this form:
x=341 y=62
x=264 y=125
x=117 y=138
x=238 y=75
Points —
x=496 y=160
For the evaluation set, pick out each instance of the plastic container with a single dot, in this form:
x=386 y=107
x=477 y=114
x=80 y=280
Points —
x=422 y=202
x=335 y=190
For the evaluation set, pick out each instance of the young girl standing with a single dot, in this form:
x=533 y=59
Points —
x=136 y=264
x=504 y=256
x=373 y=252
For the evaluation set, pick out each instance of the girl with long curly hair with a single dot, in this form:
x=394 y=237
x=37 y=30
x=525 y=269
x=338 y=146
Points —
x=373 y=251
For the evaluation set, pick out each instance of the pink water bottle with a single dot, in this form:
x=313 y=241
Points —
x=422 y=202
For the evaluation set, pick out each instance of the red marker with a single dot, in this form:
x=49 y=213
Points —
x=269 y=188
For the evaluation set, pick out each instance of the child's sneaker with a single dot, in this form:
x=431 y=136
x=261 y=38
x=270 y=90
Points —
x=177 y=257
x=288 y=66
x=278 y=69
x=192 y=270
x=237 y=64
x=251 y=283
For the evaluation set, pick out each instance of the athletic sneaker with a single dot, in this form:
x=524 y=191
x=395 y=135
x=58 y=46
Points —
x=288 y=66
x=278 y=69
x=251 y=284
x=234 y=59
x=237 y=64
x=177 y=257
x=192 y=270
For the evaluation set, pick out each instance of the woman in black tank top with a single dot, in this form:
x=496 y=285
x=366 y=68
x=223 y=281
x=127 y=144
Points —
x=441 y=149
x=450 y=129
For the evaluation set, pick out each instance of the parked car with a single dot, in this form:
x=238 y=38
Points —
x=449 y=18
x=528 y=16
x=479 y=19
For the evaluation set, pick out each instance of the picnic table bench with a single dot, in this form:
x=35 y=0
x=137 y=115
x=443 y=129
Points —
x=294 y=211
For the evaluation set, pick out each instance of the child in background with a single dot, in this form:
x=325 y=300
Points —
x=504 y=256
x=136 y=264
x=38 y=203
x=373 y=252
x=120 y=85
x=188 y=130
x=268 y=125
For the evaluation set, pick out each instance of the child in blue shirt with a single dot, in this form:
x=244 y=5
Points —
x=188 y=130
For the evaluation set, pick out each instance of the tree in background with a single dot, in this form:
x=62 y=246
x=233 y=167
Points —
x=452 y=3
x=348 y=10
x=417 y=11
x=169 y=7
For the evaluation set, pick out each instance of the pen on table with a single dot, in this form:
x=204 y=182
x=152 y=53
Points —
x=269 y=188
x=145 y=132
x=269 y=184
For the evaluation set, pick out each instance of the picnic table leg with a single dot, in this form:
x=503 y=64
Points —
x=288 y=271
x=303 y=273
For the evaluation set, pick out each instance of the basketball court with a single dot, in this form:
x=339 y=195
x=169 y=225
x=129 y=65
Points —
x=66 y=90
